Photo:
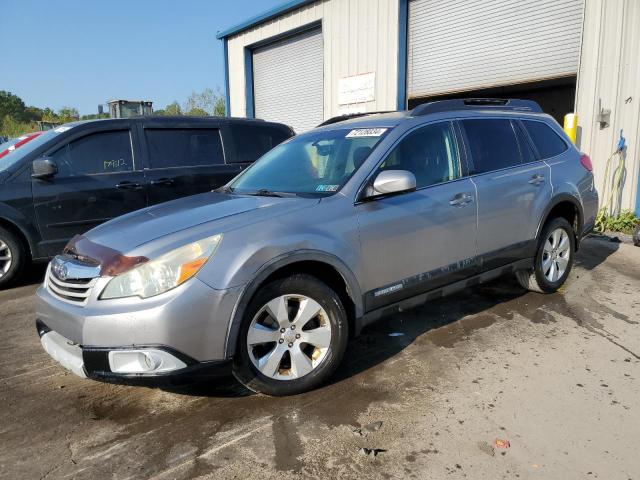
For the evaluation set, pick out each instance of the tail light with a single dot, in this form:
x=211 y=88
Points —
x=586 y=162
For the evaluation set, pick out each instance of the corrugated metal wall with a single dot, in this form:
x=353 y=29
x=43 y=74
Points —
x=609 y=78
x=359 y=36
x=288 y=81
x=457 y=46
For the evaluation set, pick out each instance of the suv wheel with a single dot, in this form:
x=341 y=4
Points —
x=12 y=257
x=292 y=338
x=553 y=260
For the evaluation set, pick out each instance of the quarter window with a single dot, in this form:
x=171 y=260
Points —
x=493 y=144
x=547 y=142
x=430 y=153
x=103 y=152
x=188 y=147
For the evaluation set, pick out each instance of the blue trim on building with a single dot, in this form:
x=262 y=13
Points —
x=263 y=17
x=227 y=93
x=403 y=26
x=248 y=82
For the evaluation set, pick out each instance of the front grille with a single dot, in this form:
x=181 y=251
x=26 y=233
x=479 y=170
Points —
x=74 y=291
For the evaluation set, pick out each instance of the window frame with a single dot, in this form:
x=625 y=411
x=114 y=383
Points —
x=149 y=168
x=467 y=145
x=80 y=135
x=533 y=145
x=463 y=164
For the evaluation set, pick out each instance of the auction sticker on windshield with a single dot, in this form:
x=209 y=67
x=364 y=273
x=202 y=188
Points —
x=366 y=132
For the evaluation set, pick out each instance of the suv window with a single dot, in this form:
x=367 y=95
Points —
x=252 y=141
x=493 y=144
x=429 y=152
x=526 y=150
x=184 y=147
x=101 y=152
x=548 y=142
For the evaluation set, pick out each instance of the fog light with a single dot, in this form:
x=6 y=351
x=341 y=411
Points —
x=143 y=361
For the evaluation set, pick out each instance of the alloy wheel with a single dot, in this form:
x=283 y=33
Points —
x=289 y=337
x=6 y=258
x=555 y=255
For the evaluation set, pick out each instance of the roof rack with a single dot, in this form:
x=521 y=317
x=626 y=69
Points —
x=348 y=116
x=475 y=103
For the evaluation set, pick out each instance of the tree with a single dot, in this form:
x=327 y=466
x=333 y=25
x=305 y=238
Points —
x=11 y=105
x=173 y=109
x=208 y=101
x=219 y=109
x=68 y=114
x=197 y=112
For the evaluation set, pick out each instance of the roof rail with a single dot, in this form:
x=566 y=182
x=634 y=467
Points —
x=348 y=116
x=475 y=103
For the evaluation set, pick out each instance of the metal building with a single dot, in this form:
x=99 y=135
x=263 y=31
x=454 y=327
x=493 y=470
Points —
x=310 y=60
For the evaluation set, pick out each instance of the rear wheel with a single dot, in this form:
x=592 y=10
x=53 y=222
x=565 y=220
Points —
x=12 y=257
x=292 y=338
x=553 y=260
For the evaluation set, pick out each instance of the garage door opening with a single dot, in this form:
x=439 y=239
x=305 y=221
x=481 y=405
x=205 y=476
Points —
x=556 y=97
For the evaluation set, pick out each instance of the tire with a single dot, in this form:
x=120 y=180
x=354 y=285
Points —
x=288 y=364
x=12 y=257
x=544 y=278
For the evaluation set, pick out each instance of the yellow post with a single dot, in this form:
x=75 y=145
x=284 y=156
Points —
x=571 y=125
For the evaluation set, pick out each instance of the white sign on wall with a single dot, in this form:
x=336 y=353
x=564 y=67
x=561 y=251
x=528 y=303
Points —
x=357 y=89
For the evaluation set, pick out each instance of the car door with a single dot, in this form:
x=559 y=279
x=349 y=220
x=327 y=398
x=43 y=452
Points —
x=512 y=186
x=184 y=160
x=420 y=240
x=98 y=179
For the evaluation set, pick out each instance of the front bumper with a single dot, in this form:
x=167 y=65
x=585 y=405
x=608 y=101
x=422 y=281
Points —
x=120 y=364
x=192 y=319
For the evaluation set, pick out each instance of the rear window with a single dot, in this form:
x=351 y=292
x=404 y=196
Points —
x=493 y=144
x=547 y=142
x=188 y=147
x=252 y=141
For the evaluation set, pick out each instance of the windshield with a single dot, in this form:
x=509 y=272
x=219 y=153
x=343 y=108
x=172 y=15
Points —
x=317 y=163
x=16 y=155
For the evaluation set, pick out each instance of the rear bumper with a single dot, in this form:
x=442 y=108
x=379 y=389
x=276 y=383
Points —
x=103 y=363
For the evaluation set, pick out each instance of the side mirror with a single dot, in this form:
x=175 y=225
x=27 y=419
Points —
x=393 y=181
x=43 y=168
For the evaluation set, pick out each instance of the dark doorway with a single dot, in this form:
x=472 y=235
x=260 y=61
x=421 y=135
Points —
x=556 y=97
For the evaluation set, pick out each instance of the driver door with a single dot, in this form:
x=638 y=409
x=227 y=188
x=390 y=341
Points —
x=416 y=241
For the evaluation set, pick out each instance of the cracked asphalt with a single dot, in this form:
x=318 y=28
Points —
x=495 y=382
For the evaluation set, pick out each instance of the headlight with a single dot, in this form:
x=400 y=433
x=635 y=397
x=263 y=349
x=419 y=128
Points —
x=164 y=273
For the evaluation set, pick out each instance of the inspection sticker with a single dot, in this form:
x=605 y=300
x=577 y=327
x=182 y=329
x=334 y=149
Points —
x=327 y=188
x=366 y=132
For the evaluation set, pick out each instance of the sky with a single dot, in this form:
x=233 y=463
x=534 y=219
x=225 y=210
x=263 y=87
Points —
x=80 y=53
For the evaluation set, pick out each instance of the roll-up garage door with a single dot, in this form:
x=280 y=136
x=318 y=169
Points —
x=467 y=45
x=288 y=81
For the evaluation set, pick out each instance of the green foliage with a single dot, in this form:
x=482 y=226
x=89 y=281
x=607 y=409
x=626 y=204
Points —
x=173 y=109
x=625 y=222
x=219 y=109
x=203 y=104
x=197 y=112
x=12 y=105
x=13 y=128
x=95 y=116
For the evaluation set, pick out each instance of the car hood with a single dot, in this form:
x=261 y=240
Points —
x=198 y=215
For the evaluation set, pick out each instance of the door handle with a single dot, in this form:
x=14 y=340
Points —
x=536 y=180
x=461 y=199
x=126 y=185
x=163 y=182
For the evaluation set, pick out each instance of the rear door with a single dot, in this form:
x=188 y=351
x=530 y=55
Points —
x=184 y=160
x=512 y=185
x=99 y=177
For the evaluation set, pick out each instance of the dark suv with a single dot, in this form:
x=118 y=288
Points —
x=74 y=177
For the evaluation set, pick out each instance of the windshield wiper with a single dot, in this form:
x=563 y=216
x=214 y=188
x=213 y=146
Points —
x=263 y=192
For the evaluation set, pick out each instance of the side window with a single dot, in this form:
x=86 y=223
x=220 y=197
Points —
x=252 y=141
x=430 y=153
x=493 y=144
x=103 y=152
x=184 y=147
x=548 y=142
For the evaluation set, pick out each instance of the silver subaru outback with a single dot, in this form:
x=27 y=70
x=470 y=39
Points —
x=271 y=275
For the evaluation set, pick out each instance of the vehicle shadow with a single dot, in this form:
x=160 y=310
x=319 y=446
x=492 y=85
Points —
x=445 y=322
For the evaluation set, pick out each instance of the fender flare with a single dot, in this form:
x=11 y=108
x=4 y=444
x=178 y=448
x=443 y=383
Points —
x=353 y=288
x=556 y=200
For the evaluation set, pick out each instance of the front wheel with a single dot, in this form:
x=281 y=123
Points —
x=12 y=257
x=553 y=260
x=293 y=337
